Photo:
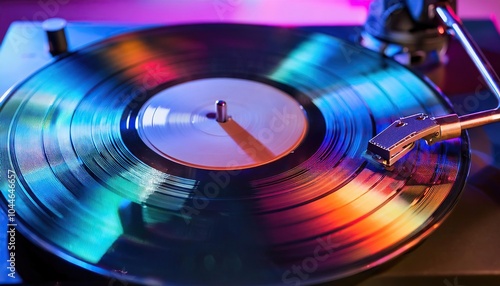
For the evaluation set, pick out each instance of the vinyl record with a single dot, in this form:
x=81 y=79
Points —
x=123 y=168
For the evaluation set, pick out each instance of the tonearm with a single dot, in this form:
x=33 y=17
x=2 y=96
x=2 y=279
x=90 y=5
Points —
x=399 y=138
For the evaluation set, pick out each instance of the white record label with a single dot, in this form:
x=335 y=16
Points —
x=264 y=124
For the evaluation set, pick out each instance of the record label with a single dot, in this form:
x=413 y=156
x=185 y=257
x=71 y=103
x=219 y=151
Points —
x=263 y=124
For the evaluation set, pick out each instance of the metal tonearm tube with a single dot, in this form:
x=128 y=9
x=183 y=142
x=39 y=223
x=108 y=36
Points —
x=399 y=138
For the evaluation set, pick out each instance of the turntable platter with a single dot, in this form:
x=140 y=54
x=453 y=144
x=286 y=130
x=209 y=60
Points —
x=102 y=146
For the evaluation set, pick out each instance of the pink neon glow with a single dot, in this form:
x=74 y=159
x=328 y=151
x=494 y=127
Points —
x=155 y=11
x=282 y=12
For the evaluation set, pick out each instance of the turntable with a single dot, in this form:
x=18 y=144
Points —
x=235 y=154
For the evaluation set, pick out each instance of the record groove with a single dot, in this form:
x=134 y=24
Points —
x=93 y=193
